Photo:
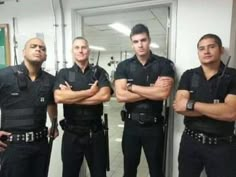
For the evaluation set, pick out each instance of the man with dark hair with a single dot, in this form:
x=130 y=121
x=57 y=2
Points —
x=26 y=95
x=206 y=97
x=142 y=83
x=82 y=89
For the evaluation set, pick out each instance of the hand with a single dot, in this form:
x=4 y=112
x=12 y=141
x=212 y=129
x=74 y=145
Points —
x=94 y=88
x=56 y=133
x=65 y=86
x=2 y=144
x=180 y=105
x=163 y=81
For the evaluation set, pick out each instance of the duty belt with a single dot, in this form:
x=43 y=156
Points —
x=31 y=136
x=143 y=118
x=206 y=139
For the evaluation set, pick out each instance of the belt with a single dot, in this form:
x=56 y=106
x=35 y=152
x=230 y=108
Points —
x=206 y=139
x=31 y=136
x=143 y=118
x=90 y=128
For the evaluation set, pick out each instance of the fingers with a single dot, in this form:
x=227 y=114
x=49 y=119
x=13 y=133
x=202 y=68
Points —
x=164 y=81
x=4 y=133
x=95 y=83
x=68 y=85
x=3 y=145
x=65 y=86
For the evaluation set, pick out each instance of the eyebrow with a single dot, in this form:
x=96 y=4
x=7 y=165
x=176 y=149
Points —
x=42 y=47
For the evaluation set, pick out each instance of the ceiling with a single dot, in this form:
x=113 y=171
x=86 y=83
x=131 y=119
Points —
x=98 y=33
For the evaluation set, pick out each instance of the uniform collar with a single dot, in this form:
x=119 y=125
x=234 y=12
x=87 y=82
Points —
x=24 y=69
x=78 y=69
x=221 y=68
x=150 y=59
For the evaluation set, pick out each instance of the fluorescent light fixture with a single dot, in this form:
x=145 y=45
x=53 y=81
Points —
x=118 y=139
x=154 y=45
x=97 y=48
x=120 y=28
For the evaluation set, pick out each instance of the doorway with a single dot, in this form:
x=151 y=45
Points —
x=93 y=24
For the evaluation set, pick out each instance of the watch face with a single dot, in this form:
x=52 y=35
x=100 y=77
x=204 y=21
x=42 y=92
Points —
x=190 y=105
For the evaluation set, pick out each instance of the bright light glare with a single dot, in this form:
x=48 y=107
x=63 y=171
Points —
x=154 y=45
x=120 y=28
x=97 y=48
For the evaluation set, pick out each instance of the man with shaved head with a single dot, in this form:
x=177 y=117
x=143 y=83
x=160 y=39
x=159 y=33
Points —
x=26 y=97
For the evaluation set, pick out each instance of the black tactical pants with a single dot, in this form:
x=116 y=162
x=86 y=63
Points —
x=75 y=147
x=136 y=137
x=24 y=159
x=216 y=159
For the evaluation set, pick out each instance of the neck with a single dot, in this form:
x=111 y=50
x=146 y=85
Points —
x=143 y=58
x=210 y=69
x=33 y=69
x=82 y=65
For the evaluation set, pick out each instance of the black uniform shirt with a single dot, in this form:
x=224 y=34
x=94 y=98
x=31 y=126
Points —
x=24 y=102
x=144 y=75
x=82 y=81
x=203 y=90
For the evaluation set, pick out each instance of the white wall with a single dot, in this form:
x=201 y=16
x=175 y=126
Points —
x=232 y=49
x=194 y=18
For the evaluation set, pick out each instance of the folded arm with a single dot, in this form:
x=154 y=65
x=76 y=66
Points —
x=67 y=96
x=220 y=111
x=180 y=102
x=123 y=94
x=102 y=95
x=159 y=91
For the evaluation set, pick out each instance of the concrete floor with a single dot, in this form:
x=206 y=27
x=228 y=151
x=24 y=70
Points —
x=112 y=108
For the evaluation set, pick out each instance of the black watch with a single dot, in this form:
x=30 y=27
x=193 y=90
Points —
x=190 y=105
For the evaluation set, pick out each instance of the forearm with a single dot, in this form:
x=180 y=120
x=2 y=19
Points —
x=102 y=95
x=219 y=111
x=152 y=93
x=52 y=111
x=70 y=96
x=190 y=113
x=128 y=97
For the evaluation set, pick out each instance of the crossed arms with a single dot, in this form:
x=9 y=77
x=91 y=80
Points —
x=159 y=91
x=92 y=96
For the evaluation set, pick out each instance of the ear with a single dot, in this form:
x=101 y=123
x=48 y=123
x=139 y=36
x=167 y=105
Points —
x=222 y=50
x=23 y=52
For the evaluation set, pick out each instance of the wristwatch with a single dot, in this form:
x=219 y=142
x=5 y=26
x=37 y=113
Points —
x=190 y=105
x=129 y=87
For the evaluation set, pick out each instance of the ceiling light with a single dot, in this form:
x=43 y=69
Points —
x=120 y=28
x=97 y=48
x=154 y=45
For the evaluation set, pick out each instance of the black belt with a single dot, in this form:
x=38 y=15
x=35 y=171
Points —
x=31 y=136
x=144 y=118
x=83 y=129
x=206 y=139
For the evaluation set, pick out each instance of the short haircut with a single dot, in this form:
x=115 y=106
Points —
x=212 y=36
x=80 y=38
x=138 y=29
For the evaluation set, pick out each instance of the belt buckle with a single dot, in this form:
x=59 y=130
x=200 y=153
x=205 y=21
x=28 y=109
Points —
x=29 y=136
x=140 y=118
x=201 y=135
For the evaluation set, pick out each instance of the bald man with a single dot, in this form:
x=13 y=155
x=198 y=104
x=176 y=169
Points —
x=26 y=97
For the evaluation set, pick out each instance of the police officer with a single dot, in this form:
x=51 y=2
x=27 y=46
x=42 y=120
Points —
x=82 y=89
x=143 y=82
x=206 y=97
x=26 y=95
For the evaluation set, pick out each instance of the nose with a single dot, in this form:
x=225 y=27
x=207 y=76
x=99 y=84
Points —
x=140 y=44
x=206 y=50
